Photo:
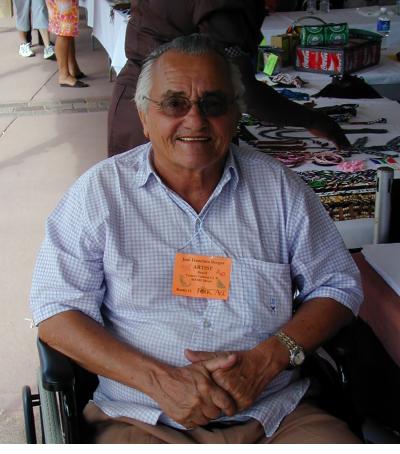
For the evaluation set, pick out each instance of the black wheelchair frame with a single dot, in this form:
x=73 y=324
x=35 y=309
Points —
x=339 y=372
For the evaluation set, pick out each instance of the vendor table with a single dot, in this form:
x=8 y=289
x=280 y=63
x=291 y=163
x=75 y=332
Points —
x=111 y=34
x=278 y=23
x=381 y=308
x=109 y=28
x=385 y=77
x=358 y=232
x=89 y=6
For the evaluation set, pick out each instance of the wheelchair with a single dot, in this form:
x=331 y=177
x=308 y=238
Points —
x=339 y=373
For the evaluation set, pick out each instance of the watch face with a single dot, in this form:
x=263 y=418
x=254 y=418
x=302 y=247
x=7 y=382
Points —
x=298 y=358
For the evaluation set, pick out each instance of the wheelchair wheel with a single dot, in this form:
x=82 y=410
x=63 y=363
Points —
x=28 y=402
x=51 y=426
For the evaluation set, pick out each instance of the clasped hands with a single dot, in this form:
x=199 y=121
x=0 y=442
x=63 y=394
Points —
x=215 y=383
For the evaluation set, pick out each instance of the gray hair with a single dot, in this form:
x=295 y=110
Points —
x=194 y=44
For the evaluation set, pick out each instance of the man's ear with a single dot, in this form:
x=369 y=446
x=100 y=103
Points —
x=143 y=119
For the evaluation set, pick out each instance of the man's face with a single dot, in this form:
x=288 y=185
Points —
x=193 y=141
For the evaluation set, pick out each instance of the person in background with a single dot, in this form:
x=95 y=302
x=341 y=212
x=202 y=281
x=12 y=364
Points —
x=64 y=21
x=234 y=24
x=32 y=14
x=170 y=271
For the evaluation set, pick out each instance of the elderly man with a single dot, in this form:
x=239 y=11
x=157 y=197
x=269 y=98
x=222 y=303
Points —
x=169 y=271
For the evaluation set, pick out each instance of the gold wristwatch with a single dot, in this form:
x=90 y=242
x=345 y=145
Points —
x=296 y=351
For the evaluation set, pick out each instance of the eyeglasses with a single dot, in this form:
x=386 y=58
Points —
x=210 y=104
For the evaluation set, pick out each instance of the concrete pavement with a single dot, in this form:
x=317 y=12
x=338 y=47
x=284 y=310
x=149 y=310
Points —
x=49 y=135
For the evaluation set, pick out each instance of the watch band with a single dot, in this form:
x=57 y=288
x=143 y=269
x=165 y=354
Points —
x=296 y=351
x=286 y=340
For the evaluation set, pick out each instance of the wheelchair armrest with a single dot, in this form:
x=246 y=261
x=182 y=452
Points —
x=56 y=369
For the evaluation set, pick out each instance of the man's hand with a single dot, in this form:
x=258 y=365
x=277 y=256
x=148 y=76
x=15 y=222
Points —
x=326 y=127
x=244 y=380
x=190 y=396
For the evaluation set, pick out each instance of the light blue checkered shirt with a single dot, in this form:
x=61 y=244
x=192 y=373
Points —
x=109 y=253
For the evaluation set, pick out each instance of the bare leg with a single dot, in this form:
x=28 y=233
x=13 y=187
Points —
x=45 y=36
x=22 y=37
x=73 y=66
x=63 y=44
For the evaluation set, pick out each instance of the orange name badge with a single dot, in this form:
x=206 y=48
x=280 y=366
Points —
x=202 y=276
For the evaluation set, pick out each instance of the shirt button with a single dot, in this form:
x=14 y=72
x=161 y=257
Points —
x=206 y=323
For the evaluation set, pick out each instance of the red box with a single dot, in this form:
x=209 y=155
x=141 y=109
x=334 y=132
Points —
x=357 y=54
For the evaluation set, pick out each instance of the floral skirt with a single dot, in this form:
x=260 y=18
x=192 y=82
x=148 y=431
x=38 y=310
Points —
x=63 y=17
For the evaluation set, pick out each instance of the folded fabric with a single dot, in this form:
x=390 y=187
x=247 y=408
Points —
x=299 y=96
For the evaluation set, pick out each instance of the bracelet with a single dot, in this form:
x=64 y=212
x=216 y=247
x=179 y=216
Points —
x=291 y=159
x=327 y=158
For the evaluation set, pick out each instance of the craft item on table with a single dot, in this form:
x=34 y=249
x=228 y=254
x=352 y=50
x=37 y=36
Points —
x=284 y=43
x=389 y=161
x=351 y=166
x=348 y=86
x=350 y=206
x=288 y=80
x=298 y=96
x=326 y=158
x=271 y=61
x=348 y=108
x=360 y=143
x=341 y=118
x=371 y=122
x=283 y=137
x=277 y=148
x=345 y=195
x=365 y=131
x=390 y=149
x=328 y=181
x=287 y=43
x=291 y=159
x=325 y=34
x=283 y=142
x=362 y=51
x=312 y=34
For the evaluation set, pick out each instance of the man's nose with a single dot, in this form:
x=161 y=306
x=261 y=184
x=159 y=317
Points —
x=196 y=115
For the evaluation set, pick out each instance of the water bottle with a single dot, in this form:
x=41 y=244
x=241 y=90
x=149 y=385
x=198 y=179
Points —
x=311 y=6
x=383 y=25
x=324 y=6
x=398 y=7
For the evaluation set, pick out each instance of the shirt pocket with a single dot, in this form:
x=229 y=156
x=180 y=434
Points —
x=265 y=294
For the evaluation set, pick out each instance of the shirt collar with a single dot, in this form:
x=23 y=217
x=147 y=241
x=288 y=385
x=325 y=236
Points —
x=146 y=168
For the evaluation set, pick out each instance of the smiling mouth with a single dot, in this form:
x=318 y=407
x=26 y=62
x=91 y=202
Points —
x=194 y=139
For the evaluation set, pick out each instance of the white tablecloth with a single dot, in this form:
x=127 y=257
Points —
x=89 y=6
x=108 y=29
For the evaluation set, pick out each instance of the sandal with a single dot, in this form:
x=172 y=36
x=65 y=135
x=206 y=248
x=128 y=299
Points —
x=77 y=84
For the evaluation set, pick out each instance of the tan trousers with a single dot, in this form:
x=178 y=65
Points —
x=306 y=424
